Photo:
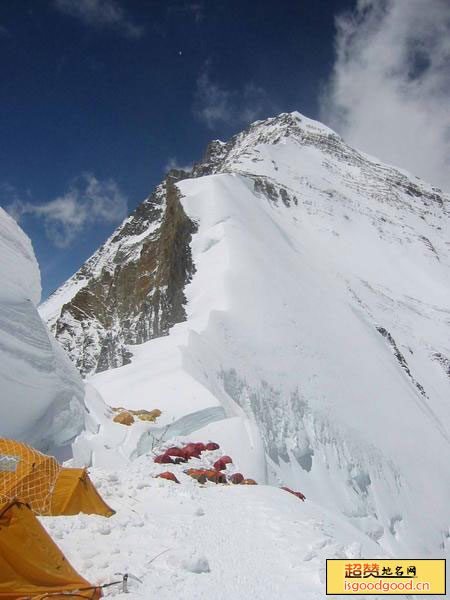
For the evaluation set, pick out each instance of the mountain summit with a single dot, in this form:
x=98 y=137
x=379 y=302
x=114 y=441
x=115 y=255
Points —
x=294 y=292
x=93 y=314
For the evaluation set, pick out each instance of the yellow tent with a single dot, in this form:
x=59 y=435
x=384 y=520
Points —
x=38 y=480
x=27 y=475
x=75 y=493
x=31 y=565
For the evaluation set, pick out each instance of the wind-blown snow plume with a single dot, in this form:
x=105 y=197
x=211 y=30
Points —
x=389 y=91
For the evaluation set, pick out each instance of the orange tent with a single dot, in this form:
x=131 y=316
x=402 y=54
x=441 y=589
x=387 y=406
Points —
x=75 y=493
x=27 y=475
x=31 y=565
x=38 y=480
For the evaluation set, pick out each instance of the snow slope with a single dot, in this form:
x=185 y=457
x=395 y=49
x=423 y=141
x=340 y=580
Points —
x=215 y=542
x=316 y=342
x=42 y=395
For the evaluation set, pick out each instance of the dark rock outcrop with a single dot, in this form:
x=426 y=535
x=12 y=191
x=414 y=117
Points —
x=133 y=286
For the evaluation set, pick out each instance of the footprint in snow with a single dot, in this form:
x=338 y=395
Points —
x=309 y=556
x=104 y=529
x=321 y=543
x=196 y=564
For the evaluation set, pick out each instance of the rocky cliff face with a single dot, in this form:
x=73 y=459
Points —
x=131 y=289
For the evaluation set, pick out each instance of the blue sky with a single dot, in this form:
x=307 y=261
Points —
x=100 y=97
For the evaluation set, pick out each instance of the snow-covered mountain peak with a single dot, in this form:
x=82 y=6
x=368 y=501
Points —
x=288 y=160
x=293 y=293
x=291 y=150
x=274 y=129
x=221 y=156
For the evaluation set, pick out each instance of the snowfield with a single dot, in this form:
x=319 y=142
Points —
x=42 y=395
x=217 y=542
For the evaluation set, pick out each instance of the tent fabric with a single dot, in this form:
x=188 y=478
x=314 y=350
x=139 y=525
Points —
x=33 y=478
x=237 y=478
x=203 y=475
x=75 y=493
x=298 y=494
x=169 y=476
x=27 y=475
x=222 y=463
x=31 y=564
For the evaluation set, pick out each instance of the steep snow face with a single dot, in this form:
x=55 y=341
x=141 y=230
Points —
x=42 y=395
x=21 y=279
x=317 y=320
x=324 y=331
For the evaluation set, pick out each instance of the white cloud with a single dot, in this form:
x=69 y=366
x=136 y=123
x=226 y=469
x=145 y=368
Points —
x=87 y=202
x=101 y=14
x=173 y=163
x=389 y=92
x=216 y=105
x=8 y=193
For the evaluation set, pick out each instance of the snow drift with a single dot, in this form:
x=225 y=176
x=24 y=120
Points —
x=42 y=395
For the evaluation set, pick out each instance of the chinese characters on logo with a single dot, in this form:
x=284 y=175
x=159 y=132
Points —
x=364 y=570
